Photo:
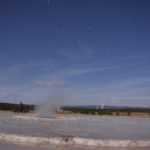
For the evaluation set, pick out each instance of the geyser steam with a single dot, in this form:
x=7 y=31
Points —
x=49 y=107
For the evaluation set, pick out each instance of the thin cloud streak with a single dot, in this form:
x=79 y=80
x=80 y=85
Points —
x=132 y=57
x=43 y=84
x=51 y=83
x=120 y=92
x=14 y=70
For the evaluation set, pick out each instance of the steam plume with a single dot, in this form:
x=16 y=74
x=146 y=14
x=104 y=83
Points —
x=49 y=107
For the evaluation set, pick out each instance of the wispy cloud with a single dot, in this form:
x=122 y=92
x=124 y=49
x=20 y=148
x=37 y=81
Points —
x=91 y=70
x=81 y=52
x=119 y=91
x=132 y=57
x=51 y=83
x=15 y=71
x=133 y=98
x=131 y=92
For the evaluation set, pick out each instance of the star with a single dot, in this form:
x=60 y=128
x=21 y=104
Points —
x=79 y=41
x=49 y=1
x=57 y=30
x=90 y=28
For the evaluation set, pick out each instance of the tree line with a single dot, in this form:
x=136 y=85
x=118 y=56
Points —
x=17 y=107
x=99 y=111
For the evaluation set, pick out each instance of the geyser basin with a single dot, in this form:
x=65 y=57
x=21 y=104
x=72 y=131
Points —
x=30 y=140
x=82 y=130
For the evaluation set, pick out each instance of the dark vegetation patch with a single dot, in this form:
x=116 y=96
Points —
x=17 y=107
x=99 y=111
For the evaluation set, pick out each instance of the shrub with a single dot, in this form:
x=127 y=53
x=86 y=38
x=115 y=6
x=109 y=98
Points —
x=117 y=113
x=128 y=113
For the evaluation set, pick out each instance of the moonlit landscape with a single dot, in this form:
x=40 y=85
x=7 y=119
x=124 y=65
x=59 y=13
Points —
x=75 y=74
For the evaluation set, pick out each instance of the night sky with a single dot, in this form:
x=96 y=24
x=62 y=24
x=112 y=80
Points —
x=96 y=51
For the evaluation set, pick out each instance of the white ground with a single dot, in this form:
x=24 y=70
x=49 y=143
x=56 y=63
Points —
x=66 y=132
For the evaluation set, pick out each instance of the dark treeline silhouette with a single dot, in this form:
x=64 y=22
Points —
x=17 y=107
x=82 y=110
x=99 y=111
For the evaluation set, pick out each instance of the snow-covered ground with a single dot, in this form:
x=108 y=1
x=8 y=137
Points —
x=96 y=131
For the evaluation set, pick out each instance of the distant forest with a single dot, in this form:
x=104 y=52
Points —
x=17 y=107
x=107 y=111
x=24 y=108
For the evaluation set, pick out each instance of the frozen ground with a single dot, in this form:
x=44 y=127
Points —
x=75 y=130
x=8 y=146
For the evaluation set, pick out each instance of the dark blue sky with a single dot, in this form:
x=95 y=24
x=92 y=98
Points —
x=97 y=50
